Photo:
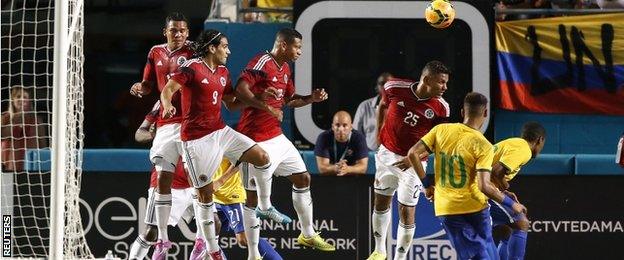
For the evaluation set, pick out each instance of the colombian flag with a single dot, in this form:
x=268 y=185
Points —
x=562 y=65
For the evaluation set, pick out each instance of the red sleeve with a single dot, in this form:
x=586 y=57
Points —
x=149 y=71
x=443 y=112
x=384 y=95
x=290 y=88
x=183 y=75
x=251 y=74
x=228 y=84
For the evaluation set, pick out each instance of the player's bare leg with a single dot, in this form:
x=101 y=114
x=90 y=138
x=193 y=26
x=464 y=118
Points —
x=302 y=202
x=381 y=221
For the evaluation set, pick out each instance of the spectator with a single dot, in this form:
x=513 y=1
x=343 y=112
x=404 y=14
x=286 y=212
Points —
x=341 y=151
x=365 y=120
x=21 y=129
x=277 y=17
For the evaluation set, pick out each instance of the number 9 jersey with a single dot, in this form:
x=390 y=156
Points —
x=408 y=117
x=460 y=151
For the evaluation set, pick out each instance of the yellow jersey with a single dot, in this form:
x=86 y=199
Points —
x=512 y=153
x=459 y=152
x=232 y=190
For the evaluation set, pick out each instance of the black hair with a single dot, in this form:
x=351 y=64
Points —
x=205 y=39
x=288 y=35
x=175 y=16
x=435 y=67
x=475 y=103
x=532 y=131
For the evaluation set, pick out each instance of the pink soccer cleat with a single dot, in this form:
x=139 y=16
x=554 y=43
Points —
x=218 y=255
x=160 y=250
x=199 y=250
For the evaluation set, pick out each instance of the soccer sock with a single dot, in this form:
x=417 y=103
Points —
x=267 y=251
x=205 y=220
x=502 y=249
x=199 y=233
x=492 y=252
x=139 y=249
x=517 y=244
x=252 y=231
x=263 y=183
x=162 y=204
x=405 y=234
x=302 y=202
x=381 y=220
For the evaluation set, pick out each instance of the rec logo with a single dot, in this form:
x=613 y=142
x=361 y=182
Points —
x=6 y=235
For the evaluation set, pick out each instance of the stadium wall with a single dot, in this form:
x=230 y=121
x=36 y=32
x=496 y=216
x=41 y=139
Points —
x=555 y=187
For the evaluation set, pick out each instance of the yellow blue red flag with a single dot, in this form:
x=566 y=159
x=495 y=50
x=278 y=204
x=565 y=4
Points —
x=569 y=64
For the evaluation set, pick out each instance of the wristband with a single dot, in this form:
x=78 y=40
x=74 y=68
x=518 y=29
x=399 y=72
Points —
x=508 y=201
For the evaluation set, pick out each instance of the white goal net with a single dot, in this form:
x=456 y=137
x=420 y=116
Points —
x=27 y=79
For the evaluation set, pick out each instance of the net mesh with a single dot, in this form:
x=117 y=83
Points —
x=27 y=46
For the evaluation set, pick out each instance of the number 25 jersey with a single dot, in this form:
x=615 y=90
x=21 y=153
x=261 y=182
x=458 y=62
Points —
x=409 y=117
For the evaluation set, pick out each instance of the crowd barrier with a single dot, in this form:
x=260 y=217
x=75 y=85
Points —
x=136 y=160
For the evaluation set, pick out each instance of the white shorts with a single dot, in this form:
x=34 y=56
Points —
x=285 y=160
x=181 y=202
x=166 y=145
x=203 y=156
x=389 y=179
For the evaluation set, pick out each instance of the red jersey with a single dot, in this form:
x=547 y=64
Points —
x=161 y=62
x=408 y=117
x=202 y=91
x=263 y=72
x=180 y=180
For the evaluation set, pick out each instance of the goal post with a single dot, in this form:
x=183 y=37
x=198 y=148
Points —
x=42 y=108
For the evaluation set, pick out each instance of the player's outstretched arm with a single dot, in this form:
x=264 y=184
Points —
x=418 y=151
x=142 y=88
x=318 y=95
x=165 y=98
x=216 y=184
x=145 y=132
x=244 y=94
x=486 y=186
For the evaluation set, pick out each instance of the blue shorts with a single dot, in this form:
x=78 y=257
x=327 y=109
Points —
x=469 y=233
x=503 y=215
x=231 y=217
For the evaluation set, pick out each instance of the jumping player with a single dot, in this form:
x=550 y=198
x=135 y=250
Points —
x=408 y=110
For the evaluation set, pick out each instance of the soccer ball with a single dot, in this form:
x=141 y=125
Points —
x=440 y=13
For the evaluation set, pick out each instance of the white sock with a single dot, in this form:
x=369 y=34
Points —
x=252 y=232
x=139 y=249
x=162 y=204
x=205 y=220
x=263 y=184
x=381 y=221
x=199 y=233
x=302 y=202
x=405 y=234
